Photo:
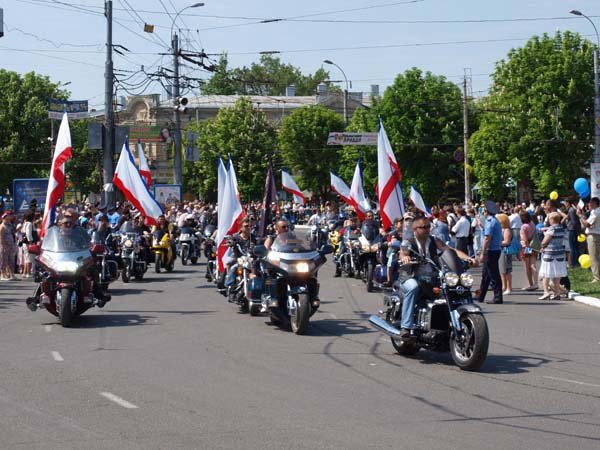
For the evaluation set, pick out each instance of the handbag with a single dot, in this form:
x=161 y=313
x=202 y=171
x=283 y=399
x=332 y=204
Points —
x=535 y=244
x=514 y=247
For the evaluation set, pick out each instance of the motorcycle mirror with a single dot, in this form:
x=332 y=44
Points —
x=326 y=249
x=34 y=249
x=260 y=250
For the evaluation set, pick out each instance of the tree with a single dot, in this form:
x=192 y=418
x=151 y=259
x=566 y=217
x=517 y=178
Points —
x=422 y=115
x=303 y=145
x=24 y=125
x=84 y=168
x=538 y=122
x=268 y=77
x=241 y=132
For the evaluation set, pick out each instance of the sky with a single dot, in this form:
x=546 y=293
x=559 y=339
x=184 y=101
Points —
x=371 y=40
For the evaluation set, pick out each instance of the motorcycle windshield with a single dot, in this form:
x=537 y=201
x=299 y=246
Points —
x=66 y=240
x=369 y=230
x=289 y=243
x=451 y=260
x=126 y=227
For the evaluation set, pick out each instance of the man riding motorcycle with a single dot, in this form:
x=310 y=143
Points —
x=425 y=245
x=241 y=243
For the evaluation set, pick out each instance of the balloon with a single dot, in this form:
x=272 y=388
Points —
x=539 y=227
x=581 y=185
x=584 y=261
x=585 y=194
x=553 y=195
x=581 y=238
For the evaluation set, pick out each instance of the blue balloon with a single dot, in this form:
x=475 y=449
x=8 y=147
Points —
x=585 y=194
x=539 y=227
x=581 y=186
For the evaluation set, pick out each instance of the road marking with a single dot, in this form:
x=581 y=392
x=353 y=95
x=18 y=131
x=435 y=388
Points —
x=333 y=316
x=572 y=381
x=57 y=356
x=118 y=400
x=48 y=328
x=372 y=364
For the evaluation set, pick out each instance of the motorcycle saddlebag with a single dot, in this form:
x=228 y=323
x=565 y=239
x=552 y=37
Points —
x=380 y=274
x=255 y=288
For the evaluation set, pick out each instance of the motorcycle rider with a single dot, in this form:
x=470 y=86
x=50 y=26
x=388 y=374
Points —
x=425 y=245
x=164 y=226
x=280 y=227
x=241 y=243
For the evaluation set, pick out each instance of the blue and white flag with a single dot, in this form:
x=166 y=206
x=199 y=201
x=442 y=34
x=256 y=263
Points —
x=417 y=199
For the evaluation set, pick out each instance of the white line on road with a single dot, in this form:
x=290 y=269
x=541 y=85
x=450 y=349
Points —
x=572 y=381
x=48 y=328
x=333 y=316
x=118 y=400
x=57 y=356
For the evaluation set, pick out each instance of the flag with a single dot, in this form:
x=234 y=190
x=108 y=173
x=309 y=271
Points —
x=357 y=195
x=144 y=169
x=57 y=179
x=268 y=199
x=230 y=215
x=338 y=185
x=290 y=186
x=417 y=199
x=130 y=181
x=391 y=204
x=221 y=177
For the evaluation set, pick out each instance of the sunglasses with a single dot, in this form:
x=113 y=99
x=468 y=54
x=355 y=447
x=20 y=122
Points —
x=425 y=227
x=284 y=228
x=245 y=226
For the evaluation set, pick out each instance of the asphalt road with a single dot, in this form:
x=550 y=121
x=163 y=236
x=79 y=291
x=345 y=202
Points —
x=169 y=364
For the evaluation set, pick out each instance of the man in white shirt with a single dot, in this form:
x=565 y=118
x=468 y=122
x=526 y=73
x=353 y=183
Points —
x=461 y=230
x=515 y=219
x=592 y=223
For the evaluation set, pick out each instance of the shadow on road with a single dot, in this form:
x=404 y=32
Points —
x=337 y=327
x=494 y=364
x=128 y=290
x=111 y=320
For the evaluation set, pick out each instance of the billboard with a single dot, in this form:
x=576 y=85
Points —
x=76 y=109
x=352 y=139
x=167 y=194
x=147 y=133
x=27 y=189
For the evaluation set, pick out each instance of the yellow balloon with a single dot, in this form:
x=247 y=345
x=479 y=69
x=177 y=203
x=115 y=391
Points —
x=553 y=195
x=581 y=238
x=584 y=261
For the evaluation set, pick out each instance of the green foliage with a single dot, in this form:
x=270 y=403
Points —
x=538 y=125
x=24 y=125
x=268 y=77
x=241 y=132
x=303 y=145
x=422 y=115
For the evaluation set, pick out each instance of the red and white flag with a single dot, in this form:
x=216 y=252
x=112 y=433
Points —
x=391 y=203
x=57 y=179
x=144 y=168
x=230 y=215
x=338 y=185
x=290 y=186
x=130 y=181
x=357 y=194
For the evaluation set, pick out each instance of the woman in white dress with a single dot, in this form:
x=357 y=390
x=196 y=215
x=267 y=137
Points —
x=554 y=263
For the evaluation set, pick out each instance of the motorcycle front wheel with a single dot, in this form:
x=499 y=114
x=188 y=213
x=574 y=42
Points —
x=299 y=321
x=126 y=274
x=157 y=262
x=369 y=275
x=66 y=313
x=184 y=256
x=469 y=349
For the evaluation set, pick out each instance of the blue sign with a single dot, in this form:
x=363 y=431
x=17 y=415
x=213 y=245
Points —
x=27 y=189
x=75 y=109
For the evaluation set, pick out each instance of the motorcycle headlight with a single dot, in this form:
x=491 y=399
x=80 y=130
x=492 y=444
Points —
x=374 y=247
x=240 y=261
x=466 y=279
x=451 y=279
x=301 y=267
x=67 y=266
x=128 y=243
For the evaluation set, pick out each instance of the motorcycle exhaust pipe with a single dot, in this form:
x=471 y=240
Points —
x=384 y=326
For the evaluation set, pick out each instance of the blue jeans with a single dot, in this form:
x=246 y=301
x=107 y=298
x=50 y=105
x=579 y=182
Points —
x=230 y=279
x=411 y=292
x=573 y=248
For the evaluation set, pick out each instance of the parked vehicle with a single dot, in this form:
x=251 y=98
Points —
x=446 y=317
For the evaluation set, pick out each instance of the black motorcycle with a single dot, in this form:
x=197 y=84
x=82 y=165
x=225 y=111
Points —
x=133 y=257
x=291 y=291
x=368 y=250
x=445 y=316
x=346 y=261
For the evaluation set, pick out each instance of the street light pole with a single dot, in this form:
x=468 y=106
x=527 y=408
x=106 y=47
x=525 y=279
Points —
x=327 y=61
x=596 y=88
x=177 y=158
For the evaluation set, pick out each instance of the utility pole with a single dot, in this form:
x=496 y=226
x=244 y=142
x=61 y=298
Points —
x=109 y=118
x=466 y=143
x=177 y=162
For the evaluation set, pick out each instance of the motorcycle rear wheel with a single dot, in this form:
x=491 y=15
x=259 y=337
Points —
x=470 y=354
x=66 y=314
x=299 y=322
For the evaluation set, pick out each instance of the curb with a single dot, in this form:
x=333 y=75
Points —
x=590 y=301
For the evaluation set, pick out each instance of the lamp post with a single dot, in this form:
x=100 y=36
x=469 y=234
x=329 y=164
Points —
x=177 y=159
x=596 y=88
x=327 y=61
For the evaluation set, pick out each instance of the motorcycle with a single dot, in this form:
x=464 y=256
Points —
x=319 y=234
x=210 y=250
x=189 y=246
x=334 y=235
x=446 y=317
x=368 y=249
x=347 y=258
x=108 y=261
x=163 y=251
x=239 y=291
x=291 y=291
x=132 y=256
x=63 y=269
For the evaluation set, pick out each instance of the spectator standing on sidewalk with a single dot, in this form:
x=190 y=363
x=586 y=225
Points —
x=490 y=253
x=462 y=229
x=554 y=264
x=528 y=255
x=592 y=223
x=8 y=248
x=505 y=260
x=574 y=230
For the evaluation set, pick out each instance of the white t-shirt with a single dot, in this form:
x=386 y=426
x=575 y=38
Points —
x=515 y=221
x=594 y=221
x=462 y=227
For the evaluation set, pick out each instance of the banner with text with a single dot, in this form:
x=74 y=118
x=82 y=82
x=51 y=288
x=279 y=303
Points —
x=352 y=139
x=27 y=189
x=75 y=109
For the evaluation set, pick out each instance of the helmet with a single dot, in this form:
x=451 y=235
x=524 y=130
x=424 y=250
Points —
x=190 y=217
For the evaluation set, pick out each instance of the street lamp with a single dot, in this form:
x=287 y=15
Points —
x=177 y=161
x=327 y=61
x=596 y=88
